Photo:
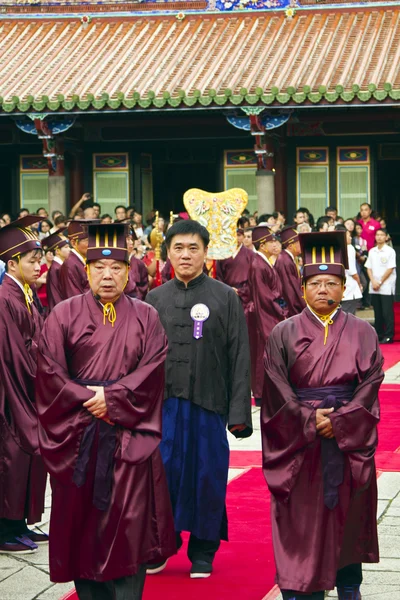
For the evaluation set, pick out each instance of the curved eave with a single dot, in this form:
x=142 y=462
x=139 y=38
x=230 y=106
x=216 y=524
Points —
x=287 y=99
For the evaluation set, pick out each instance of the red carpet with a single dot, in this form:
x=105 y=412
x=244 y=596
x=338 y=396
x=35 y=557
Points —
x=244 y=566
x=391 y=354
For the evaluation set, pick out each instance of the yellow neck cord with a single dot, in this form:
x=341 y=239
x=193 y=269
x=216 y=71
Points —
x=109 y=313
x=28 y=294
x=326 y=319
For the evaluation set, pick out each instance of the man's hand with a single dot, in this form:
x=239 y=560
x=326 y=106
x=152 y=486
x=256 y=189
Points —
x=97 y=405
x=240 y=427
x=324 y=425
x=375 y=285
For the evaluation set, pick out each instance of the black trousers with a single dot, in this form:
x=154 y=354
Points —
x=384 y=315
x=125 y=588
x=10 y=528
x=199 y=550
x=349 y=306
x=349 y=575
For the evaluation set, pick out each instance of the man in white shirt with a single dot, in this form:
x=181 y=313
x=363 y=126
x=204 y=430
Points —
x=2 y=270
x=381 y=267
x=353 y=290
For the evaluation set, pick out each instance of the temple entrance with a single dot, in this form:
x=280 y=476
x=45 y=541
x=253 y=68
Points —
x=388 y=201
x=388 y=196
x=172 y=180
x=6 y=204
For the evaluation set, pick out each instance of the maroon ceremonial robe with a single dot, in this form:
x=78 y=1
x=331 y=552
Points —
x=289 y=276
x=265 y=291
x=138 y=283
x=234 y=271
x=54 y=294
x=166 y=273
x=73 y=278
x=23 y=476
x=137 y=526
x=311 y=541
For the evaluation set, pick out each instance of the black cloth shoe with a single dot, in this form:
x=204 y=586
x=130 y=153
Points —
x=156 y=568
x=18 y=545
x=386 y=341
x=39 y=537
x=349 y=592
x=201 y=570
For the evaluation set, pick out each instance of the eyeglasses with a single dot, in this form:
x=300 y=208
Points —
x=330 y=285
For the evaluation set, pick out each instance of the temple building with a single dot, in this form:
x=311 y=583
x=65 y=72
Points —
x=295 y=101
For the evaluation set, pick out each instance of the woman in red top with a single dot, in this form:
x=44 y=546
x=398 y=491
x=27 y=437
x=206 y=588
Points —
x=41 y=282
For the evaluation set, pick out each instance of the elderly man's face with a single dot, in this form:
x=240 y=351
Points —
x=107 y=278
x=319 y=289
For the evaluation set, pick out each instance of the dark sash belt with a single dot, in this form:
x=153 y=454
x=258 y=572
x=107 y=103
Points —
x=105 y=455
x=331 y=455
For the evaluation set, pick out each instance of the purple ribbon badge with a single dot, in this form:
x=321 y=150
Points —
x=199 y=314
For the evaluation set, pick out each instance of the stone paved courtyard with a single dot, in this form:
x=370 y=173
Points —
x=27 y=577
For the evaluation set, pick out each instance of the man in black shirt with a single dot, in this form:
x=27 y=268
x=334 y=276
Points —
x=207 y=389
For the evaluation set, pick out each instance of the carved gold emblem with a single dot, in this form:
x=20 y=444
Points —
x=219 y=213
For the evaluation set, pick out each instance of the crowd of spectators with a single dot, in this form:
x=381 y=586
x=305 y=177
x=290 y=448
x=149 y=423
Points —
x=366 y=231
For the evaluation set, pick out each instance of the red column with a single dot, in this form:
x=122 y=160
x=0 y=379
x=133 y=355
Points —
x=281 y=178
x=76 y=177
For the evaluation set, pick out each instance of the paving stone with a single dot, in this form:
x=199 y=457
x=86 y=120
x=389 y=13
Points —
x=232 y=473
x=382 y=506
x=382 y=577
x=41 y=557
x=392 y=375
x=391 y=520
x=9 y=566
x=380 y=592
x=385 y=564
x=389 y=546
x=387 y=529
x=56 y=591
x=24 y=585
x=393 y=511
x=388 y=486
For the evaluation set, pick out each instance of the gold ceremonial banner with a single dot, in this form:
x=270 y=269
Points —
x=219 y=213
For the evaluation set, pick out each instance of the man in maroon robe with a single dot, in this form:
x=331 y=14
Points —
x=138 y=282
x=139 y=278
x=288 y=272
x=100 y=389
x=268 y=307
x=23 y=476
x=234 y=271
x=73 y=278
x=58 y=244
x=318 y=420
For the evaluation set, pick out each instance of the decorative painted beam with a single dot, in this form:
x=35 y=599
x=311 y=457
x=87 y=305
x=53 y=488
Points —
x=46 y=129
